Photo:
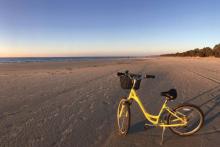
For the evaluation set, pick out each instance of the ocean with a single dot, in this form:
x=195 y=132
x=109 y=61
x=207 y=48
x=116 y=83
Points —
x=57 y=59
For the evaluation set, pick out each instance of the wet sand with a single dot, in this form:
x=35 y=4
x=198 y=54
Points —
x=73 y=104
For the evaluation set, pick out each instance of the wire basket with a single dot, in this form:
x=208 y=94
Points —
x=127 y=83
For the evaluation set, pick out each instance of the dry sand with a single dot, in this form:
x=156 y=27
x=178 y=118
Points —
x=73 y=104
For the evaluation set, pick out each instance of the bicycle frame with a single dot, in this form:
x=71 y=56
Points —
x=154 y=119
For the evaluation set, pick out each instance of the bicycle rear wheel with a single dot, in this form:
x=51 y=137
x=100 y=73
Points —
x=123 y=117
x=194 y=117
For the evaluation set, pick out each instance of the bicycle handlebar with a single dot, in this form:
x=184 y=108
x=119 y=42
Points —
x=135 y=76
x=150 y=76
x=120 y=74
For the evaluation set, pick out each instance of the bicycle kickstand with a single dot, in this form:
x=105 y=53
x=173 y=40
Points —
x=164 y=128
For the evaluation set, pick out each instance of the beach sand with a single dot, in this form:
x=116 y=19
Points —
x=73 y=104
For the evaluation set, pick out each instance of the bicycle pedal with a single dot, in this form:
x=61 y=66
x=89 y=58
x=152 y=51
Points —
x=146 y=126
x=149 y=125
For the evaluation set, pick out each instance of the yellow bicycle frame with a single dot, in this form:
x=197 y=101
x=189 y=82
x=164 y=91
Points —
x=154 y=119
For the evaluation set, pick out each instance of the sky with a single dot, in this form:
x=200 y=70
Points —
x=40 y=28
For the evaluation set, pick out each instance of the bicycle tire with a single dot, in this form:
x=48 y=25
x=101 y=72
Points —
x=194 y=130
x=125 y=122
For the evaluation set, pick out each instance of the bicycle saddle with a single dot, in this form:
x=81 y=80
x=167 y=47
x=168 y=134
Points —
x=170 y=95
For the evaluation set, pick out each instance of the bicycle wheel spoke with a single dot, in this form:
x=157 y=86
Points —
x=191 y=115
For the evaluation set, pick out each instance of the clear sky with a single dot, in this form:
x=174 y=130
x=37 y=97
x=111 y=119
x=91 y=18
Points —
x=106 y=27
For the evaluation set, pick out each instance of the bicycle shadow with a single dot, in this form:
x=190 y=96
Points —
x=210 y=105
x=216 y=102
x=139 y=127
x=202 y=94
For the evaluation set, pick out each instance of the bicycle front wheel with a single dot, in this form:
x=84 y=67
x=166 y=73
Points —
x=123 y=117
x=192 y=114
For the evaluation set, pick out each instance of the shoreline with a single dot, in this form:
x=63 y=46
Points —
x=64 y=65
x=9 y=60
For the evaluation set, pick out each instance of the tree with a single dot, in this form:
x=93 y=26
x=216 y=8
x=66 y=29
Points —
x=216 y=50
x=204 y=52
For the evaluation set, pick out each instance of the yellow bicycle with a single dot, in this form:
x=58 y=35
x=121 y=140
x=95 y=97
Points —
x=183 y=120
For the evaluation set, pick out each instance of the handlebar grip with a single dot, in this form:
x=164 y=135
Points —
x=120 y=74
x=150 y=76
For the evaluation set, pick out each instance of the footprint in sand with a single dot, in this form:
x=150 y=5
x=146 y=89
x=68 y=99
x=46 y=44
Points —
x=71 y=116
x=82 y=101
x=99 y=138
x=106 y=103
x=83 y=118
x=56 y=114
x=91 y=107
x=102 y=125
x=8 y=125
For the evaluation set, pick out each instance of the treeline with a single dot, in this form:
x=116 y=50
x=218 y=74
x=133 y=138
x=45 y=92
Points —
x=204 y=52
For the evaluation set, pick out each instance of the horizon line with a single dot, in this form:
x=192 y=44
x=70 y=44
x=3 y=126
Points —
x=78 y=56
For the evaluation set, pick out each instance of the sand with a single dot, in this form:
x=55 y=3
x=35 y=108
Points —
x=73 y=104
